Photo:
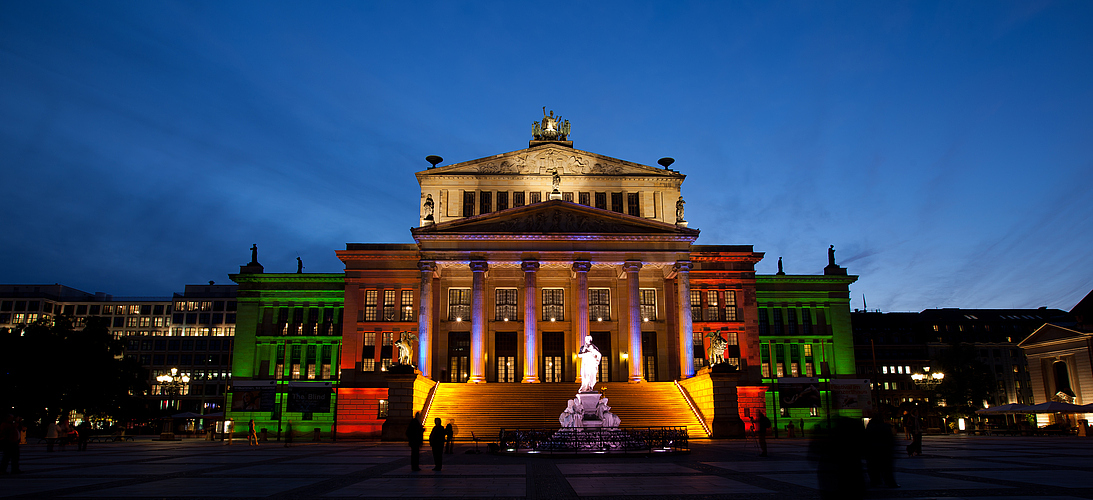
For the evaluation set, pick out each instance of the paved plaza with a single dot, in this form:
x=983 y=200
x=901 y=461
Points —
x=1006 y=468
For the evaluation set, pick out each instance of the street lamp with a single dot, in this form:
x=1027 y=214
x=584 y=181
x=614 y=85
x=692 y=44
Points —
x=928 y=380
x=171 y=384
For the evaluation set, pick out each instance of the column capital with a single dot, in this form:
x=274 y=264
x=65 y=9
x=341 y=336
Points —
x=582 y=266
x=479 y=266
x=426 y=266
x=682 y=266
x=631 y=266
x=529 y=266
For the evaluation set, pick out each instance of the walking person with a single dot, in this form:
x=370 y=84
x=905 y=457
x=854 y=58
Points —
x=880 y=448
x=52 y=433
x=449 y=435
x=252 y=435
x=915 y=448
x=415 y=433
x=288 y=434
x=64 y=433
x=761 y=432
x=9 y=444
x=906 y=425
x=436 y=442
x=83 y=434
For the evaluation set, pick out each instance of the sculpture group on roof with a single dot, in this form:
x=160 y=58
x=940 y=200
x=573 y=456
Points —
x=551 y=128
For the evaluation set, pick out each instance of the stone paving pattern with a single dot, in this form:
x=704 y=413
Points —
x=1006 y=468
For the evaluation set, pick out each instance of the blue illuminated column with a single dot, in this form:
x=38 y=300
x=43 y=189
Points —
x=424 y=317
x=531 y=330
x=478 y=322
x=580 y=321
x=686 y=338
x=632 y=267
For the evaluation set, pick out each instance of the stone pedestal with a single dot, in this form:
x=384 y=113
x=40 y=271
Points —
x=589 y=400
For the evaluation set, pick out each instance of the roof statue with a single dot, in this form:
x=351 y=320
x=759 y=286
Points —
x=551 y=128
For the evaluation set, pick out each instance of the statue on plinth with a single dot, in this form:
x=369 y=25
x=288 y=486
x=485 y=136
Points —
x=254 y=254
x=679 y=210
x=715 y=354
x=590 y=364
x=604 y=412
x=427 y=208
x=573 y=416
x=405 y=346
x=831 y=256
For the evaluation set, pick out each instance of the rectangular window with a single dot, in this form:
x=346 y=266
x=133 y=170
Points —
x=648 y=304
x=407 y=305
x=388 y=338
x=485 y=204
x=601 y=201
x=389 y=305
x=616 y=202
x=791 y=321
x=382 y=407
x=730 y=306
x=632 y=206
x=370 y=339
x=502 y=200
x=732 y=348
x=583 y=199
x=553 y=304
x=294 y=364
x=370 y=298
x=807 y=350
x=711 y=306
x=806 y=322
x=599 y=304
x=567 y=196
x=777 y=322
x=536 y=197
x=459 y=304
x=368 y=365
x=505 y=304
x=808 y=369
x=468 y=203
x=696 y=305
x=518 y=199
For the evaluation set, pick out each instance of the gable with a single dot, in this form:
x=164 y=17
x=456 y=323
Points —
x=1049 y=333
x=555 y=216
x=544 y=159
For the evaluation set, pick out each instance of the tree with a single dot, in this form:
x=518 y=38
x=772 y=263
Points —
x=50 y=368
x=967 y=380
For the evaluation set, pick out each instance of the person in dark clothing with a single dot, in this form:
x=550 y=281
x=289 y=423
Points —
x=915 y=448
x=414 y=435
x=9 y=444
x=288 y=434
x=761 y=432
x=84 y=434
x=880 y=448
x=449 y=434
x=839 y=455
x=436 y=442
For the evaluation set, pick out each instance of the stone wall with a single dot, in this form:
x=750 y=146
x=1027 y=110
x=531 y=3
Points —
x=715 y=395
x=358 y=412
x=406 y=396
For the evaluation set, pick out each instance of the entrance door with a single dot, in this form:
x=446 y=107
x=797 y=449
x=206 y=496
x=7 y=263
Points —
x=603 y=343
x=459 y=356
x=649 y=352
x=553 y=357
x=504 y=346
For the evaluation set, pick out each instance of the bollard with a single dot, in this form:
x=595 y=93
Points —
x=263 y=437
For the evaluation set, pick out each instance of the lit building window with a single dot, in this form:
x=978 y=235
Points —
x=711 y=306
x=370 y=298
x=407 y=305
x=730 y=306
x=696 y=305
x=648 y=304
x=389 y=305
x=553 y=304
x=505 y=304
x=459 y=304
x=599 y=304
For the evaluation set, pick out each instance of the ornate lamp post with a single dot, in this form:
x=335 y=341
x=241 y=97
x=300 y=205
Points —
x=171 y=385
x=928 y=380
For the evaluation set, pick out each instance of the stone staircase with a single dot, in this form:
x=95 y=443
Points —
x=485 y=409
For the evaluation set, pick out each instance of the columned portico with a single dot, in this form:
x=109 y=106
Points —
x=682 y=271
x=424 y=317
x=634 y=320
x=580 y=322
x=478 y=321
x=531 y=331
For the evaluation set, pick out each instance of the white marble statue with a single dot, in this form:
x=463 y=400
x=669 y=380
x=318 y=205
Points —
x=590 y=364
x=573 y=416
x=604 y=413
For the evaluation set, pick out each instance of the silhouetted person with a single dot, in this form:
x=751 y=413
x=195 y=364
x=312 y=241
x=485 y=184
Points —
x=449 y=435
x=761 y=433
x=53 y=433
x=915 y=448
x=83 y=435
x=436 y=442
x=838 y=454
x=252 y=434
x=879 y=452
x=414 y=434
x=288 y=434
x=9 y=444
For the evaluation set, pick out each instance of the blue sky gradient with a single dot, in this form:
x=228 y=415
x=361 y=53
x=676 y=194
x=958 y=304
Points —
x=945 y=149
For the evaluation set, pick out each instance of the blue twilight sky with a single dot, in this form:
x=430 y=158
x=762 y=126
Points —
x=945 y=149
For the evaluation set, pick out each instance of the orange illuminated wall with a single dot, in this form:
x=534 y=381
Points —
x=358 y=412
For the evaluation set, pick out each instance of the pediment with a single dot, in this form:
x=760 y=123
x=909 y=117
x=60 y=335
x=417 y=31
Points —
x=1051 y=333
x=555 y=216
x=544 y=159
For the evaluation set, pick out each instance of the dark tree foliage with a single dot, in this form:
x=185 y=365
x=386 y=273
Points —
x=967 y=380
x=50 y=369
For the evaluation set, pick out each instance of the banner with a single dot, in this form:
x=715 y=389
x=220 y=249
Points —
x=309 y=400
x=852 y=394
x=799 y=392
x=251 y=398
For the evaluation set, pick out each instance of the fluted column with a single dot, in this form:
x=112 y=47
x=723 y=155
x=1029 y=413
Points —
x=636 y=369
x=478 y=322
x=686 y=338
x=531 y=323
x=580 y=322
x=424 y=317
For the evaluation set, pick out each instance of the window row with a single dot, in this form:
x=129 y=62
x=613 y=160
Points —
x=389 y=309
x=304 y=362
x=777 y=321
x=796 y=360
x=97 y=309
x=196 y=331
x=204 y=305
x=484 y=202
x=164 y=344
x=714 y=305
x=553 y=304
x=182 y=359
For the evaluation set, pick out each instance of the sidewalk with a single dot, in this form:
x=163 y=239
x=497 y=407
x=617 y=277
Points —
x=1007 y=468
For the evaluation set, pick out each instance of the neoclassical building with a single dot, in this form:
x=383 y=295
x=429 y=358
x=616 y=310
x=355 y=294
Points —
x=518 y=257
